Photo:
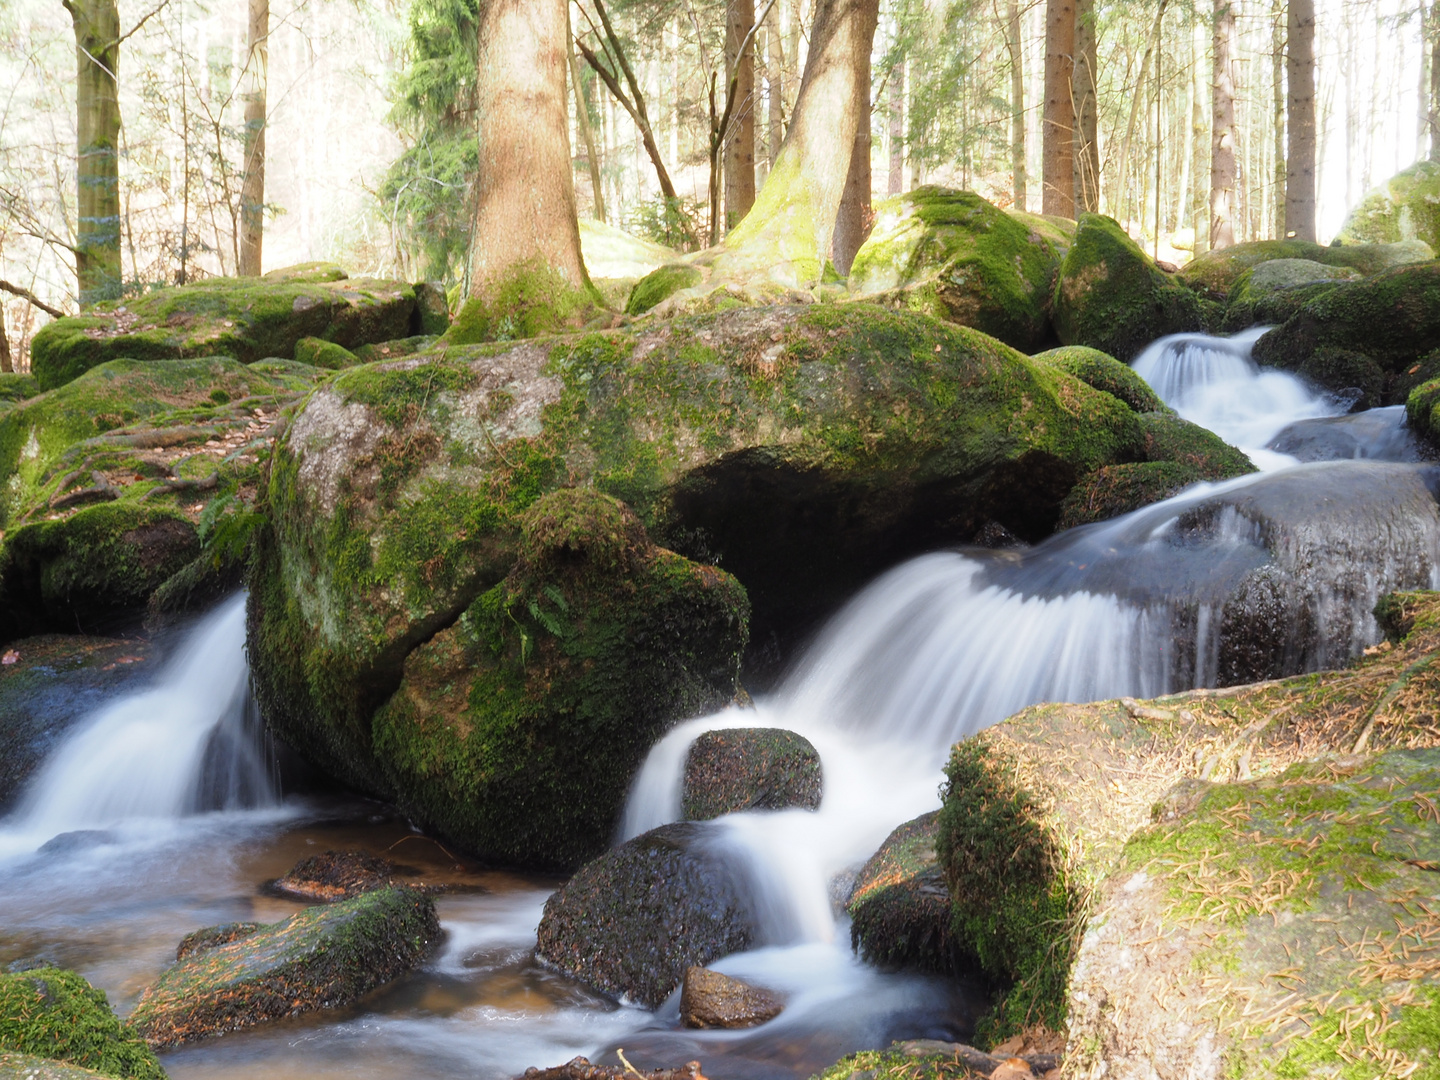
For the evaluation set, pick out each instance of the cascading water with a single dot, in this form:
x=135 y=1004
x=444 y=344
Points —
x=189 y=743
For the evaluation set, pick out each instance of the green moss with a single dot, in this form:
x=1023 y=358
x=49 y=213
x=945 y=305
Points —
x=1218 y=273
x=1103 y=372
x=661 y=284
x=899 y=910
x=952 y=255
x=319 y=271
x=1168 y=438
x=1112 y=297
x=17 y=387
x=317 y=352
x=392 y=350
x=57 y=1014
x=532 y=301
x=1119 y=489
x=896 y=1064
x=1405 y=207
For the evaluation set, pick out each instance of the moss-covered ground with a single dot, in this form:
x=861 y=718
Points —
x=1216 y=273
x=52 y=1013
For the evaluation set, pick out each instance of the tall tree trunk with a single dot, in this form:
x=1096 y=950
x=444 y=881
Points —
x=1433 y=112
x=97 y=174
x=740 y=140
x=787 y=234
x=1222 y=128
x=1300 y=170
x=6 y=362
x=1015 y=45
x=582 y=118
x=1277 y=101
x=1137 y=99
x=1200 y=128
x=526 y=243
x=1087 y=108
x=775 y=88
x=1058 y=127
x=895 y=182
x=852 y=222
x=1422 y=92
x=252 y=186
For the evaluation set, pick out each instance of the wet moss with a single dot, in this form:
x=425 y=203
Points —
x=1119 y=489
x=1104 y=372
x=900 y=915
x=1112 y=297
x=57 y=1014
x=661 y=284
x=1167 y=438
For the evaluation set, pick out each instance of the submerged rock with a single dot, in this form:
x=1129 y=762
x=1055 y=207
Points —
x=634 y=920
x=56 y=1014
x=709 y=999
x=579 y=1068
x=1372 y=435
x=900 y=908
x=735 y=769
x=319 y=958
x=210 y=937
x=335 y=875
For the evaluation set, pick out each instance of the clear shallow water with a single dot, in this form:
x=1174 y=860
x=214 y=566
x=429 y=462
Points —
x=168 y=820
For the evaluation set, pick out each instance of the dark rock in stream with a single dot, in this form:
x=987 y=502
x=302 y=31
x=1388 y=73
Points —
x=900 y=908
x=735 y=769
x=631 y=922
x=334 y=875
x=319 y=958
x=580 y=1068
x=709 y=999
x=1375 y=435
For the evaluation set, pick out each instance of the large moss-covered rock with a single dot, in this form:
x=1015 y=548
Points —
x=1168 y=438
x=1119 y=489
x=955 y=256
x=56 y=1014
x=319 y=958
x=803 y=448
x=52 y=682
x=15 y=386
x=736 y=769
x=900 y=908
x=1104 y=372
x=247 y=319
x=1380 y=327
x=1273 y=291
x=566 y=671
x=1405 y=207
x=1217 y=273
x=1112 y=297
x=633 y=921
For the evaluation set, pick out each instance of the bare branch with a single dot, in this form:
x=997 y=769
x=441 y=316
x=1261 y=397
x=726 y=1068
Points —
x=26 y=294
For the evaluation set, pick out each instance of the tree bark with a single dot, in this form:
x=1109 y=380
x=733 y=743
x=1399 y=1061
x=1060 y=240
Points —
x=1277 y=101
x=1087 y=109
x=1222 y=129
x=1300 y=161
x=97 y=174
x=6 y=363
x=895 y=182
x=525 y=224
x=775 y=88
x=582 y=116
x=740 y=138
x=787 y=234
x=1137 y=99
x=852 y=223
x=252 y=187
x=1434 y=110
x=1058 y=126
x=1015 y=45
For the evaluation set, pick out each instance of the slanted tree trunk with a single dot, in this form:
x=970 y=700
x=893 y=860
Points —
x=252 y=187
x=97 y=174
x=582 y=116
x=740 y=137
x=895 y=182
x=1015 y=46
x=1300 y=114
x=1057 y=131
x=1087 y=109
x=1222 y=128
x=787 y=235
x=852 y=223
x=526 y=271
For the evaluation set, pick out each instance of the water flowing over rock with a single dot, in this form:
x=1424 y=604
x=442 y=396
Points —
x=749 y=769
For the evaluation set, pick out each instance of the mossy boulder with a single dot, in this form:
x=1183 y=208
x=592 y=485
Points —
x=1168 y=438
x=246 y=319
x=1352 y=335
x=56 y=1014
x=736 y=769
x=89 y=570
x=319 y=958
x=803 y=449
x=1421 y=411
x=1118 y=489
x=1216 y=274
x=633 y=921
x=659 y=285
x=1112 y=297
x=1272 y=291
x=52 y=682
x=572 y=667
x=953 y=255
x=15 y=386
x=219 y=569
x=391 y=350
x=1405 y=207
x=317 y=352
x=1104 y=372
x=307 y=272
x=900 y=907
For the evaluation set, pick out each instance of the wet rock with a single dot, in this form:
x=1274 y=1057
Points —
x=1104 y=372
x=56 y=1014
x=1112 y=297
x=212 y=936
x=1118 y=489
x=900 y=907
x=319 y=958
x=579 y=1068
x=736 y=769
x=709 y=999
x=335 y=875
x=53 y=682
x=634 y=920
x=1372 y=435
x=957 y=257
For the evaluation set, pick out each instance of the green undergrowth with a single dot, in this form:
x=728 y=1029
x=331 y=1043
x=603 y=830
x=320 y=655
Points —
x=57 y=1014
x=896 y=1064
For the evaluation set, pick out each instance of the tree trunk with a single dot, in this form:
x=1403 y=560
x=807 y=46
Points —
x=1087 y=108
x=1137 y=99
x=787 y=234
x=1058 y=126
x=1015 y=45
x=1300 y=170
x=895 y=182
x=775 y=88
x=526 y=240
x=1277 y=101
x=740 y=138
x=582 y=117
x=252 y=187
x=1200 y=127
x=1222 y=129
x=1433 y=113
x=6 y=363
x=97 y=174
x=852 y=223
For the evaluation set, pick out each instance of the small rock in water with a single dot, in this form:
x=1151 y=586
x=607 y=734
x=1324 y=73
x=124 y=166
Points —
x=712 y=1000
x=580 y=1068
x=335 y=875
x=737 y=769
x=199 y=940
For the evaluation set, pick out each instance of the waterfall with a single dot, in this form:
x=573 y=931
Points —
x=189 y=743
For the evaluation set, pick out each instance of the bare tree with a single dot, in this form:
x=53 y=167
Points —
x=97 y=174
x=252 y=188
x=1300 y=72
x=1087 y=108
x=1222 y=128
x=739 y=138
x=1015 y=47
